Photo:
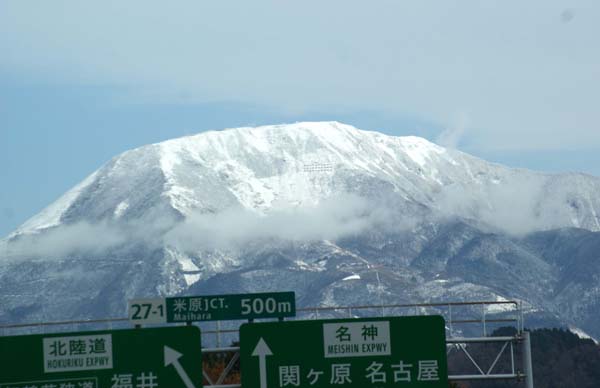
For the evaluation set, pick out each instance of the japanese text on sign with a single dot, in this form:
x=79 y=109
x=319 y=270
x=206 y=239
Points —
x=62 y=383
x=130 y=380
x=356 y=339
x=376 y=372
x=91 y=352
x=196 y=308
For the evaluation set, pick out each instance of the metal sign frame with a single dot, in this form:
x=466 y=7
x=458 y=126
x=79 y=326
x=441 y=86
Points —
x=479 y=315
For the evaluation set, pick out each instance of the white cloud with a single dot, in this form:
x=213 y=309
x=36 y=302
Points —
x=452 y=135
x=329 y=220
x=85 y=238
x=342 y=216
x=517 y=206
x=67 y=240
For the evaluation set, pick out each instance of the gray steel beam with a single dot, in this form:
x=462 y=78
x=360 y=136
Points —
x=527 y=364
x=482 y=377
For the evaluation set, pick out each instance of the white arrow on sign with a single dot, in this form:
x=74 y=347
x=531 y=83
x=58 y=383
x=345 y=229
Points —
x=172 y=358
x=262 y=351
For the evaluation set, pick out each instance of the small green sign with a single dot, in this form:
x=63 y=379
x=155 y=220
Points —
x=149 y=358
x=231 y=307
x=353 y=353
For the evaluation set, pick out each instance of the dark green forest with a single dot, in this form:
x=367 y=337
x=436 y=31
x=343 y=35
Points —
x=560 y=360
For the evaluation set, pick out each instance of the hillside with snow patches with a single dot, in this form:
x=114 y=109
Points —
x=337 y=214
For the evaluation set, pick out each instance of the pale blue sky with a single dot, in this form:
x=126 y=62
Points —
x=80 y=82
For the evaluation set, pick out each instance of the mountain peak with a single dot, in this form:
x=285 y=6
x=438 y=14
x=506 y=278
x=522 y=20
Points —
x=306 y=206
x=326 y=131
x=286 y=165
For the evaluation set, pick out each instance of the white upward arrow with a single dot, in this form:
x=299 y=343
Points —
x=172 y=358
x=262 y=351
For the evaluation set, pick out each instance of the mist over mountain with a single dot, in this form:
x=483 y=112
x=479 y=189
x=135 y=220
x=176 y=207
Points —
x=339 y=215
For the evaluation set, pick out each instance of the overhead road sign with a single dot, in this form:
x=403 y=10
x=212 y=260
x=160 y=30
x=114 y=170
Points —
x=231 y=307
x=150 y=358
x=354 y=353
x=213 y=308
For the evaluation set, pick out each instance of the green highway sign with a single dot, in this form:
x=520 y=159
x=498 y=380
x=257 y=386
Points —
x=353 y=353
x=231 y=307
x=149 y=358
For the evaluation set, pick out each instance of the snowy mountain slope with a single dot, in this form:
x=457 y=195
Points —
x=340 y=215
x=281 y=166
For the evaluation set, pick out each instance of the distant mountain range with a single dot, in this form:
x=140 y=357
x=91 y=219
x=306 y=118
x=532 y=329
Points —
x=339 y=215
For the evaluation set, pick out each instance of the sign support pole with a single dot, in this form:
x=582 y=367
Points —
x=527 y=365
x=218 y=334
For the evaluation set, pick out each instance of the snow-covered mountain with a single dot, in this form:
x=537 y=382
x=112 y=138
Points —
x=340 y=215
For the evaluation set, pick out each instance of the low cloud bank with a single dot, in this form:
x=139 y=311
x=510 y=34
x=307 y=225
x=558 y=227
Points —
x=517 y=206
x=329 y=220
x=335 y=218
x=84 y=238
